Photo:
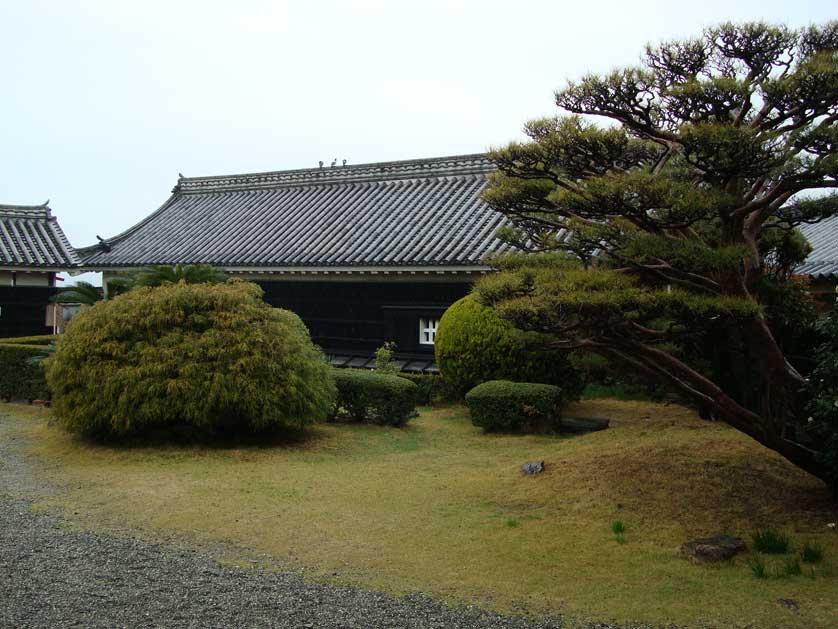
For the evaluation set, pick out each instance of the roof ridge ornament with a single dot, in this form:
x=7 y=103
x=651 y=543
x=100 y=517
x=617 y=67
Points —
x=455 y=165
x=103 y=244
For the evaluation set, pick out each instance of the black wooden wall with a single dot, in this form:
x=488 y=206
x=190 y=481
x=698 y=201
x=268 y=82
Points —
x=23 y=310
x=358 y=317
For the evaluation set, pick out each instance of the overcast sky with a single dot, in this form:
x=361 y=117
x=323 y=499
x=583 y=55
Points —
x=103 y=103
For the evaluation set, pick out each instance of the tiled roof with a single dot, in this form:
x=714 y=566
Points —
x=823 y=261
x=425 y=213
x=30 y=237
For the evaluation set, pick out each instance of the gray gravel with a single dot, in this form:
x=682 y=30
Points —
x=52 y=574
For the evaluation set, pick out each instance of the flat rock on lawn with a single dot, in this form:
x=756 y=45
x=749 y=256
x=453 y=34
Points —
x=535 y=467
x=582 y=424
x=715 y=548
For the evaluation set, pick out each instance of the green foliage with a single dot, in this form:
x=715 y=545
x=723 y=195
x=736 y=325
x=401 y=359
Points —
x=822 y=390
x=431 y=388
x=190 y=274
x=604 y=378
x=622 y=392
x=811 y=553
x=216 y=358
x=684 y=205
x=619 y=530
x=42 y=339
x=81 y=293
x=792 y=567
x=118 y=285
x=384 y=359
x=367 y=396
x=758 y=568
x=474 y=345
x=572 y=299
x=504 y=406
x=770 y=541
x=21 y=374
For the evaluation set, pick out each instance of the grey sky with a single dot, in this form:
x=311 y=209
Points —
x=104 y=102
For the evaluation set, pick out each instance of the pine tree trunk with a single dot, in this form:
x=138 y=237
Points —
x=769 y=425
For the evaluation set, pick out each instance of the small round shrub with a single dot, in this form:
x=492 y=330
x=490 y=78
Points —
x=504 y=406
x=368 y=396
x=473 y=345
x=213 y=357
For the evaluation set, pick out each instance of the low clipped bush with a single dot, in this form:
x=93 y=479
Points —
x=215 y=358
x=41 y=339
x=367 y=396
x=473 y=345
x=21 y=372
x=504 y=406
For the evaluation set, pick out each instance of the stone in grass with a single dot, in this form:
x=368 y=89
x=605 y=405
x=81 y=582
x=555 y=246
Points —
x=582 y=424
x=710 y=549
x=789 y=603
x=535 y=467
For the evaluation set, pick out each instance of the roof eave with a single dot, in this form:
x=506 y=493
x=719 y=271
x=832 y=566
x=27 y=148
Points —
x=323 y=270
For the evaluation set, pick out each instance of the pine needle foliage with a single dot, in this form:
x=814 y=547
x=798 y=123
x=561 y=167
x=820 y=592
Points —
x=683 y=209
x=213 y=357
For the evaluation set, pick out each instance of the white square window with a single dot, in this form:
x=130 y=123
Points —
x=427 y=331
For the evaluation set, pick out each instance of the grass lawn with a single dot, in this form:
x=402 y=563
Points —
x=440 y=508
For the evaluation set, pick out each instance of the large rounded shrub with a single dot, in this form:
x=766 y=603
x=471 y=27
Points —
x=473 y=345
x=214 y=357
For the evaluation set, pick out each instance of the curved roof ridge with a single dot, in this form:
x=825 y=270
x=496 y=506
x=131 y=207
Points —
x=26 y=211
x=375 y=171
x=30 y=237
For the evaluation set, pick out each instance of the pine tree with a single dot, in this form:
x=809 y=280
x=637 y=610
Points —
x=684 y=204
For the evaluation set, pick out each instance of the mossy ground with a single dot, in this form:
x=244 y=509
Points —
x=440 y=508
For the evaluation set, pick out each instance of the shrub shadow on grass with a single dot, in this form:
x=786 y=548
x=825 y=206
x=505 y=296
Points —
x=186 y=436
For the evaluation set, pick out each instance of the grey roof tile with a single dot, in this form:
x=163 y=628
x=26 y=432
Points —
x=823 y=261
x=412 y=213
x=30 y=237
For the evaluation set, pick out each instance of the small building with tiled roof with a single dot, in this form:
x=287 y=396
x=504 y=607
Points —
x=822 y=264
x=363 y=253
x=33 y=249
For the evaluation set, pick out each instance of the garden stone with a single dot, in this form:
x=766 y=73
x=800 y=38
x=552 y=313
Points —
x=789 y=603
x=711 y=549
x=582 y=424
x=535 y=467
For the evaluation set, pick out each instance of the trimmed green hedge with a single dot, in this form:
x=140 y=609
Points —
x=367 y=396
x=21 y=374
x=504 y=406
x=43 y=339
x=431 y=388
x=473 y=345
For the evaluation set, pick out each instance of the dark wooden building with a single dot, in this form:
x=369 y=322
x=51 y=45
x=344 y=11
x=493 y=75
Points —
x=33 y=249
x=364 y=254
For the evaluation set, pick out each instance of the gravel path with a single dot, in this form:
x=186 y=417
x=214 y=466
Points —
x=54 y=575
